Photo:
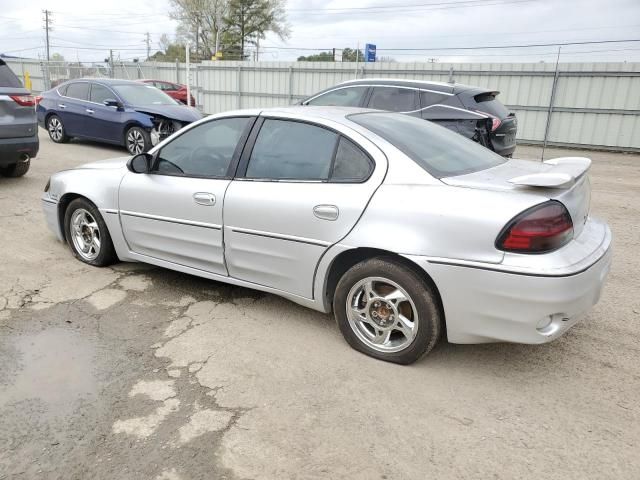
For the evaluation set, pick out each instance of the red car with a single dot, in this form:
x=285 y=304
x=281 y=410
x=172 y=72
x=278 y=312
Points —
x=174 y=90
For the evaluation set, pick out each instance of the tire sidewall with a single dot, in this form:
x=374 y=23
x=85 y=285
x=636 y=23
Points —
x=145 y=135
x=107 y=252
x=422 y=294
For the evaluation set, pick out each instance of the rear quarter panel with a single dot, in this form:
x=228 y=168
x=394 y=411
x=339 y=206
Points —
x=438 y=221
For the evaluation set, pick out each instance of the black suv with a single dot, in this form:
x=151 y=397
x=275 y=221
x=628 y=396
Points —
x=470 y=111
x=18 y=126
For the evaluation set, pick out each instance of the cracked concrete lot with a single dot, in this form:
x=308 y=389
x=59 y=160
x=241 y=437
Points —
x=134 y=372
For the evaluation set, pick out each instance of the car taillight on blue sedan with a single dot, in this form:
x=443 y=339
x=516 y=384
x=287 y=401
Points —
x=541 y=229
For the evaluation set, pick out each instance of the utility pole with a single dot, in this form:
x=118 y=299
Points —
x=47 y=27
x=148 y=42
x=111 y=63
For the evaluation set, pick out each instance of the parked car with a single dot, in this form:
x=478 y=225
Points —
x=473 y=112
x=121 y=112
x=174 y=90
x=402 y=228
x=18 y=127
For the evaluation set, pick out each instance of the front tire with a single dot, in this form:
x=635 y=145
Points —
x=137 y=140
x=387 y=311
x=56 y=130
x=87 y=234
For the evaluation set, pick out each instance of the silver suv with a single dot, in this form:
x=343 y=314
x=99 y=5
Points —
x=18 y=126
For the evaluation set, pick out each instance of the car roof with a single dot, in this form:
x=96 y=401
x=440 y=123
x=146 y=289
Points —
x=451 y=88
x=337 y=114
x=106 y=81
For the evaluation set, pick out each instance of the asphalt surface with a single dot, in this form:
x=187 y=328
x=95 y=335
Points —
x=135 y=372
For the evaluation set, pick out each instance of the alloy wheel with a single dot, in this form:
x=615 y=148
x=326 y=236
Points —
x=382 y=314
x=55 y=129
x=85 y=234
x=135 y=142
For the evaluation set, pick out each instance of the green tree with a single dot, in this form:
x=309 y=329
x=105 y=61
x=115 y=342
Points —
x=248 y=21
x=348 y=55
x=169 y=51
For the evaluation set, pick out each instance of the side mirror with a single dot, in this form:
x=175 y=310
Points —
x=110 y=102
x=140 y=163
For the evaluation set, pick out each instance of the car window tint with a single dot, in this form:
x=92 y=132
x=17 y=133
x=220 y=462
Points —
x=7 y=77
x=203 y=151
x=393 y=99
x=439 y=151
x=343 y=97
x=292 y=150
x=100 y=93
x=78 y=90
x=431 y=98
x=351 y=163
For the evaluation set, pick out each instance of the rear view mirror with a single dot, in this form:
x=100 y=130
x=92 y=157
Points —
x=140 y=163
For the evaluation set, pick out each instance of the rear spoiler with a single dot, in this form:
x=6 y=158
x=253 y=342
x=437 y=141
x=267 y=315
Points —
x=562 y=173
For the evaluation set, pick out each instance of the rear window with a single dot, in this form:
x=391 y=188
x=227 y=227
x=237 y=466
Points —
x=439 y=151
x=487 y=102
x=7 y=77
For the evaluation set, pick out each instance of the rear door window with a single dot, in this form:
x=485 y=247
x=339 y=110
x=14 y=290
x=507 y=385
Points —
x=287 y=150
x=394 y=99
x=351 y=163
x=342 y=97
x=79 y=90
x=7 y=77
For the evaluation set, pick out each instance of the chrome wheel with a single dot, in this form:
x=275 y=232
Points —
x=85 y=234
x=135 y=141
x=382 y=314
x=55 y=129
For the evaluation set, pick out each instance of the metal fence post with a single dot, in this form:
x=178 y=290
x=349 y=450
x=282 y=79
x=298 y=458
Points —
x=551 y=102
x=239 y=86
x=177 y=71
x=290 y=84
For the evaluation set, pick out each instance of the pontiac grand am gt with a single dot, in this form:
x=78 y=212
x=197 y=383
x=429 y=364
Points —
x=402 y=228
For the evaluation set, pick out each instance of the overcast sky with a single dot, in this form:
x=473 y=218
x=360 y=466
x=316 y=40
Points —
x=85 y=30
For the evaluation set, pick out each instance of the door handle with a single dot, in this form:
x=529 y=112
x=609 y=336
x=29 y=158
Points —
x=326 y=212
x=88 y=110
x=204 y=198
x=62 y=106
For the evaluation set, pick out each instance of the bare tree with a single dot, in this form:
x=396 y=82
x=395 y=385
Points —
x=200 y=22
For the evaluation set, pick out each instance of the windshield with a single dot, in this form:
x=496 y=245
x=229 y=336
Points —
x=143 y=95
x=439 y=151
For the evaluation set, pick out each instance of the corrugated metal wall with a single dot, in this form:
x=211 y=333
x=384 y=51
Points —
x=595 y=104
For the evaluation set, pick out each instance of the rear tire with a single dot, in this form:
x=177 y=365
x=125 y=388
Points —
x=17 y=169
x=137 y=140
x=387 y=311
x=56 y=130
x=87 y=234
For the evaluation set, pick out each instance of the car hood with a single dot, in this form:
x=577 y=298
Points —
x=112 y=163
x=182 y=113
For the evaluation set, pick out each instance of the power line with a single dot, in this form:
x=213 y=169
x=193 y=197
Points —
x=487 y=47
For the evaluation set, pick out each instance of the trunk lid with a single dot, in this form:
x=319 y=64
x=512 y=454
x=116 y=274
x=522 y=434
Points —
x=563 y=179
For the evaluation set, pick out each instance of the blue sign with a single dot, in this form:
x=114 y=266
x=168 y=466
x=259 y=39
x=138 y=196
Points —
x=370 y=52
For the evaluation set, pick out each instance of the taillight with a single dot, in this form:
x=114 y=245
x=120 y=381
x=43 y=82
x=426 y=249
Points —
x=24 y=100
x=543 y=228
x=495 y=121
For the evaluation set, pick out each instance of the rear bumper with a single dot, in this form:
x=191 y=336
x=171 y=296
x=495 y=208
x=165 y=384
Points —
x=12 y=150
x=486 y=304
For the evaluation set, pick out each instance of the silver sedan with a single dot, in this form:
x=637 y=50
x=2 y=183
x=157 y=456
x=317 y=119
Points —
x=405 y=230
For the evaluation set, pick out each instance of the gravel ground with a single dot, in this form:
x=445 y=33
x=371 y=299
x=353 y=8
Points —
x=135 y=372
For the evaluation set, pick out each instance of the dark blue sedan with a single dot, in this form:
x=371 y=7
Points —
x=121 y=112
